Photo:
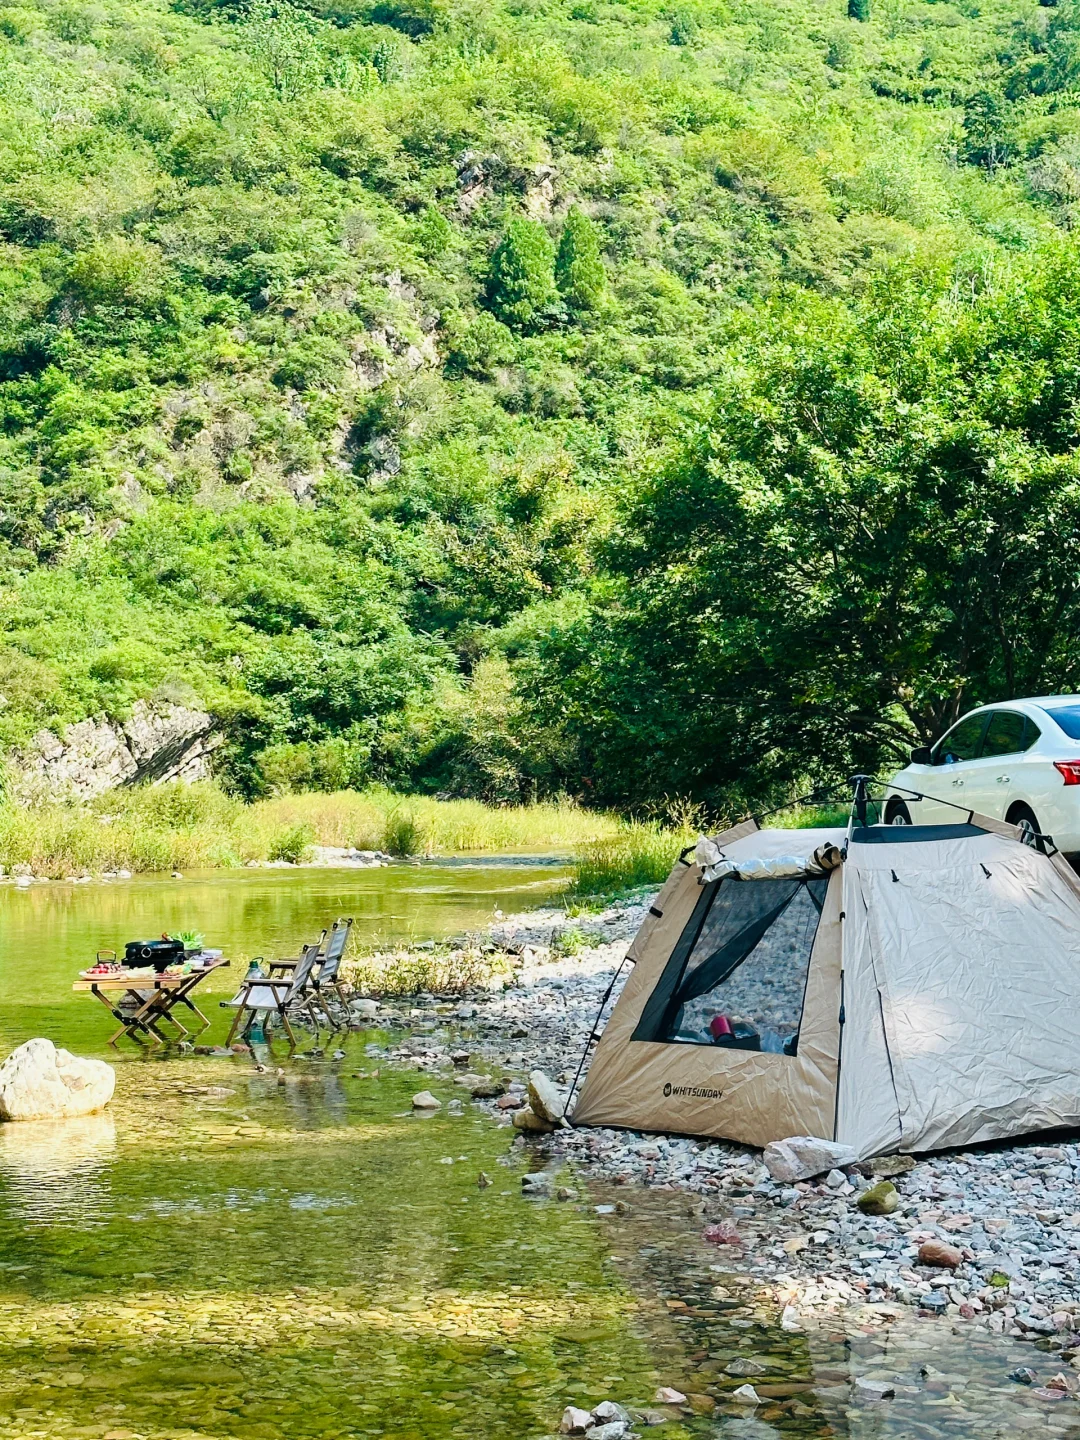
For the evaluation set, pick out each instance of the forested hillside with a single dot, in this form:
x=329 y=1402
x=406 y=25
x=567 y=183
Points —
x=636 y=400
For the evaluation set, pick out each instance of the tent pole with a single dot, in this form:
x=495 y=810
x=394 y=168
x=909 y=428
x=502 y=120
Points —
x=593 y=1034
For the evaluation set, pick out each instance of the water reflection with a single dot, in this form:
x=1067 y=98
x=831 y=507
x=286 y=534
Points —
x=54 y=1170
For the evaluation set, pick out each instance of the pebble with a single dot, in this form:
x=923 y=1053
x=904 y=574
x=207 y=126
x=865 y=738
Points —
x=745 y=1395
x=575 y=1421
x=1008 y=1219
x=936 y=1253
x=425 y=1100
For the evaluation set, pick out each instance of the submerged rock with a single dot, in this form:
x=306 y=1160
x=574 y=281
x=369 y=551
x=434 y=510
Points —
x=40 y=1082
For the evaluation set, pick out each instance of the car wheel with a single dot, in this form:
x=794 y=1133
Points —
x=1025 y=817
x=897 y=813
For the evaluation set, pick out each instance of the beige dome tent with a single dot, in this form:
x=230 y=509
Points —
x=890 y=987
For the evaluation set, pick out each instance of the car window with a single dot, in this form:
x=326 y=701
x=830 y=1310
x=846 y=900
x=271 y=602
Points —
x=1008 y=733
x=1068 y=717
x=962 y=742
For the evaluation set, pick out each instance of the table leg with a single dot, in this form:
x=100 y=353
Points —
x=127 y=1026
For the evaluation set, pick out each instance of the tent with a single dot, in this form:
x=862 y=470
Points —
x=890 y=987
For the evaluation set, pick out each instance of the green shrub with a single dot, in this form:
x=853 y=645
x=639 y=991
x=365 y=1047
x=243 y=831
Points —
x=639 y=855
x=294 y=843
x=401 y=834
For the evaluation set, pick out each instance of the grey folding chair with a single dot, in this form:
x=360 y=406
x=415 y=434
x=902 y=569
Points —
x=275 y=994
x=328 y=980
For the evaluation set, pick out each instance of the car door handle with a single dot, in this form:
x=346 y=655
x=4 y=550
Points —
x=1003 y=779
x=958 y=782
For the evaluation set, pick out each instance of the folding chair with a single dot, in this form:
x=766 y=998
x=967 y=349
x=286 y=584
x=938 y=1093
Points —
x=275 y=993
x=328 y=978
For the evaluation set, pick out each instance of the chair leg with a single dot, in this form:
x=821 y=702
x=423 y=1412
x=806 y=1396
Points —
x=339 y=991
x=288 y=1027
x=241 y=1011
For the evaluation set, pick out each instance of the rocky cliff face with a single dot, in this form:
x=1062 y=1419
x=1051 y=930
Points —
x=159 y=742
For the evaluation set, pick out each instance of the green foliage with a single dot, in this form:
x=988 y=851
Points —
x=579 y=268
x=293 y=844
x=520 y=283
x=282 y=40
x=292 y=419
x=858 y=10
x=401 y=833
x=875 y=528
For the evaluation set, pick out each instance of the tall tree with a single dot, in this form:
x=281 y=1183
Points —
x=579 y=268
x=520 y=284
x=877 y=527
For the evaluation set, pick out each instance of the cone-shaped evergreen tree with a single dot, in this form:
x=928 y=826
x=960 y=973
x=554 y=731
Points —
x=520 y=283
x=579 y=270
x=858 y=9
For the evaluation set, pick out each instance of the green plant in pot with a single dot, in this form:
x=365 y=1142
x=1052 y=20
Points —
x=191 y=940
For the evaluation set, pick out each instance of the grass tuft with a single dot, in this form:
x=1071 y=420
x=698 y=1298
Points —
x=440 y=970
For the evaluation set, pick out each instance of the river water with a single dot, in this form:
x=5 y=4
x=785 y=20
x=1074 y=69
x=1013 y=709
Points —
x=225 y=1253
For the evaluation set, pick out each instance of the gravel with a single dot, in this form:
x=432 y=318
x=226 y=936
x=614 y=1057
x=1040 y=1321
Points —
x=1012 y=1212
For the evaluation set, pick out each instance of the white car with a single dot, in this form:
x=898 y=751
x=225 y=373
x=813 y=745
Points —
x=1018 y=761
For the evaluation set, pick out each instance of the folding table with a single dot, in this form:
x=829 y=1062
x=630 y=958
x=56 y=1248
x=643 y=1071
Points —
x=154 y=998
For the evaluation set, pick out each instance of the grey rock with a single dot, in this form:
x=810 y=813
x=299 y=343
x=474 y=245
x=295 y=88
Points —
x=161 y=741
x=527 y=1119
x=801 y=1157
x=575 y=1421
x=609 y=1410
x=613 y=1430
x=424 y=1100
x=887 y=1167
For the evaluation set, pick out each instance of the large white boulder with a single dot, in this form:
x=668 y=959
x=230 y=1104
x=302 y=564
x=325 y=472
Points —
x=801 y=1157
x=40 y=1082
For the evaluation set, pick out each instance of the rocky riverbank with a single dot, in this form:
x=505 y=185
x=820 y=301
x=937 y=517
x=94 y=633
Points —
x=988 y=1236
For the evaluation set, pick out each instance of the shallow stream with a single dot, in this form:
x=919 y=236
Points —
x=225 y=1253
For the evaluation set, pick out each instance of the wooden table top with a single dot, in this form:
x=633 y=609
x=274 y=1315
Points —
x=147 y=979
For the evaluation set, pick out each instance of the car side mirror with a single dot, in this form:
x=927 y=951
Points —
x=922 y=755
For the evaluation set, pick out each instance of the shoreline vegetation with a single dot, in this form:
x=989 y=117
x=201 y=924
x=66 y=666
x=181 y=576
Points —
x=195 y=827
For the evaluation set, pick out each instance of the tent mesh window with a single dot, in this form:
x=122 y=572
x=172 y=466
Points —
x=737 y=975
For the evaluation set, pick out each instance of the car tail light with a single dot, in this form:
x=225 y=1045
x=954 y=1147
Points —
x=1070 y=771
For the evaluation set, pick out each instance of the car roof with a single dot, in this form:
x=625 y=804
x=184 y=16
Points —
x=1044 y=702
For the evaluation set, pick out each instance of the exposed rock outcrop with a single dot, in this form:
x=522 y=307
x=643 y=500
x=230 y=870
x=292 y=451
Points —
x=40 y=1082
x=161 y=741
